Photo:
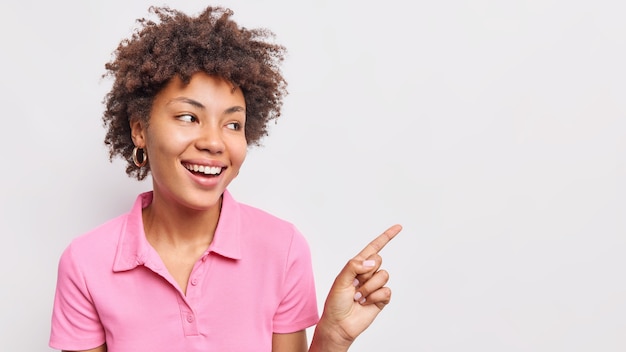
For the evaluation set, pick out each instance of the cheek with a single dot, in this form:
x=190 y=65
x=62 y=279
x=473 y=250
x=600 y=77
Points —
x=240 y=153
x=168 y=143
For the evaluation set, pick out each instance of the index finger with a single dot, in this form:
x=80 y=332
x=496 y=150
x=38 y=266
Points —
x=379 y=242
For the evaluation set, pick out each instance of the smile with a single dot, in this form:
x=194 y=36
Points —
x=207 y=170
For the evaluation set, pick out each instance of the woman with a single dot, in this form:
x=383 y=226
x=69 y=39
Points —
x=189 y=268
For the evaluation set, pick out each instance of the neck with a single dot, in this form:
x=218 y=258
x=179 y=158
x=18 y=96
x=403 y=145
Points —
x=170 y=224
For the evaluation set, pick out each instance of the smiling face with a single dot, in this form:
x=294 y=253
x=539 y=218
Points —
x=195 y=140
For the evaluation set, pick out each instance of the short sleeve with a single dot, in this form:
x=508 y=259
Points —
x=75 y=321
x=298 y=306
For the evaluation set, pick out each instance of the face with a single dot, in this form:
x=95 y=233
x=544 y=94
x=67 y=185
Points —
x=195 y=140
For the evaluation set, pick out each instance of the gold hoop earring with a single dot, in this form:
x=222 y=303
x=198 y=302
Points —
x=144 y=157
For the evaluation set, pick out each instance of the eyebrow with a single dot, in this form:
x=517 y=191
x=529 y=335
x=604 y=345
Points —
x=199 y=105
x=187 y=101
x=235 y=109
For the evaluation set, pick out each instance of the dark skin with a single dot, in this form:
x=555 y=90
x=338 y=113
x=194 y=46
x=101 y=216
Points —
x=343 y=319
x=212 y=43
x=176 y=48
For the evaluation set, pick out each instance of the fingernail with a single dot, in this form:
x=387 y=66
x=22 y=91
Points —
x=357 y=296
x=362 y=300
x=369 y=263
x=355 y=283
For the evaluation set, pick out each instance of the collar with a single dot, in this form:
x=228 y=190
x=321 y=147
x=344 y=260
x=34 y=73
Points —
x=133 y=248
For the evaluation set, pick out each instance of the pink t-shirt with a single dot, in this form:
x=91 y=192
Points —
x=254 y=280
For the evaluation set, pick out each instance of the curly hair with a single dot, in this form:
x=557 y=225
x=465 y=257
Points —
x=178 y=45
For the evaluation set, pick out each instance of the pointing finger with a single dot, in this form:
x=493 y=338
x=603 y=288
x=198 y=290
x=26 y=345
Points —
x=379 y=242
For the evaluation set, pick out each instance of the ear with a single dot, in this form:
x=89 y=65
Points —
x=138 y=133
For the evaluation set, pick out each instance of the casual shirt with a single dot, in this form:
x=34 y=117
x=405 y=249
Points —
x=255 y=279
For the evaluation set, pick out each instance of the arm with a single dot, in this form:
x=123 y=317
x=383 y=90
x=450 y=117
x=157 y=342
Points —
x=355 y=298
x=75 y=323
x=294 y=342
x=102 y=348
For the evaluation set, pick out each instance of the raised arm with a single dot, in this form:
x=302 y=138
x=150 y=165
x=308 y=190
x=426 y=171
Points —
x=355 y=298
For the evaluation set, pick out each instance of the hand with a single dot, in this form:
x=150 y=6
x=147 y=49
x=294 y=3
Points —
x=356 y=297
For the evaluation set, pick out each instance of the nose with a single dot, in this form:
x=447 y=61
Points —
x=210 y=138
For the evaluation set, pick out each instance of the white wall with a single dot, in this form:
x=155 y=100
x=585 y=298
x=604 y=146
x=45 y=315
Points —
x=492 y=130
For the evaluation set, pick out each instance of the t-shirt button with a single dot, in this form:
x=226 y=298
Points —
x=194 y=281
x=190 y=318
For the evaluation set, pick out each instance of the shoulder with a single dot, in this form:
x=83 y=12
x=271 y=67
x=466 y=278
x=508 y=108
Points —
x=254 y=219
x=103 y=240
x=266 y=230
x=251 y=214
x=101 y=235
x=95 y=248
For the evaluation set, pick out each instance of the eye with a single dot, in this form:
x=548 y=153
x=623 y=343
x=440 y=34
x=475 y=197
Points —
x=187 y=118
x=235 y=126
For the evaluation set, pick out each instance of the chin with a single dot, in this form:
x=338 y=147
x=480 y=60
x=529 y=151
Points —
x=205 y=202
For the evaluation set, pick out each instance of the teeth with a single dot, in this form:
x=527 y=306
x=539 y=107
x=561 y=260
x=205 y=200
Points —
x=212 y=170
x=207 y=170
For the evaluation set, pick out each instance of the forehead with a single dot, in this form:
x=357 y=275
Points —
x=202 y=88
x=201 y=84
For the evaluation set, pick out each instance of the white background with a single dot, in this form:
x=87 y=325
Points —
x=492 y=130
